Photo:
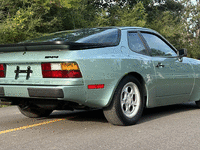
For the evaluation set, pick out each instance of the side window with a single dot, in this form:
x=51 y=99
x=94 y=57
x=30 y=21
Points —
x=158 y=46
x=135 y=43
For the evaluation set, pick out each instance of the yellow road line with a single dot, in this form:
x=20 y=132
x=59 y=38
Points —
x=29 y=126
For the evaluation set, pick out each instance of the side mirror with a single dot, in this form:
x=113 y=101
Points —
x=182 y=53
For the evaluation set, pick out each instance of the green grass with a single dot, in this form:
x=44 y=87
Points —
x=3 y=106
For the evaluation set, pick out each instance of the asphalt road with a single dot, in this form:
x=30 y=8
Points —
x=174 y=127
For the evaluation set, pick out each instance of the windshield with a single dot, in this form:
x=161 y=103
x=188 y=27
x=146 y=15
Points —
x=108 y=36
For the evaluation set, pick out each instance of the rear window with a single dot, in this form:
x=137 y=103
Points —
x=108 y=36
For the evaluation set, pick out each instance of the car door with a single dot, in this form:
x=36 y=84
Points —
x=174 y=78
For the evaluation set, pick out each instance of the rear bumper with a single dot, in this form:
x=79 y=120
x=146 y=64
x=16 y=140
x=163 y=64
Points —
x=46 y=92
x=68 y=93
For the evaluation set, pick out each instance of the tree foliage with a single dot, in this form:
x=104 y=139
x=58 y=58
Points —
x=23 y=19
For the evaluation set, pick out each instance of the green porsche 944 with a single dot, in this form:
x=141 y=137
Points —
x=121 y=70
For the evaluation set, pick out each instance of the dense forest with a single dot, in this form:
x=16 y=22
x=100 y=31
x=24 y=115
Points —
x=177 y=21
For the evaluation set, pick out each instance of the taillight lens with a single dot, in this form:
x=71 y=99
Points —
x=2 y=71
x=61 y=70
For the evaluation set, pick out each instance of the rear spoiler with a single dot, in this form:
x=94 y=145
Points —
x=47 y=46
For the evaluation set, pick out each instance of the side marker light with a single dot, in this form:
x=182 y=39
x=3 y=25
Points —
x=96 y=86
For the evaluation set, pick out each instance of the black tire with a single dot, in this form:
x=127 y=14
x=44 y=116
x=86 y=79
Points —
x=197 y=103
x=34 y=111
x=125 y=109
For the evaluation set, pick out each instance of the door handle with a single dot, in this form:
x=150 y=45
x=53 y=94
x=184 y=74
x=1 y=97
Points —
x=160 y=65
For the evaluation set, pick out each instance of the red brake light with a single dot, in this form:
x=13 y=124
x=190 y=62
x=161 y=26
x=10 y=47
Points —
x=1 y=67
x=46 y=66
x=2 y=71
x=74 y=74
x=60 y=70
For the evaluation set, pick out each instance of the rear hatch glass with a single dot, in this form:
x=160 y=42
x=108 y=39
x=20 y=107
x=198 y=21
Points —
x=108 y=36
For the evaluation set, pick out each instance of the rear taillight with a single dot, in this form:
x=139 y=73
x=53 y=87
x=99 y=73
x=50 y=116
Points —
x=61 y=70
x=2 y=71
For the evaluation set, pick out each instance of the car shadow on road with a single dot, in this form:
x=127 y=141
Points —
x=148 y=114
x=160 y=112
x=80 y=115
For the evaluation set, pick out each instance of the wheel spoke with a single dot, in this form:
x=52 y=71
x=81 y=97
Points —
x=124 y=107
x=131 y=93
x=134 y=103
x=127 y=107
x=134 y=100
x=124 y=97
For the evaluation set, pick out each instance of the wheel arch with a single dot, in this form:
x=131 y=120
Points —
x=139 y=78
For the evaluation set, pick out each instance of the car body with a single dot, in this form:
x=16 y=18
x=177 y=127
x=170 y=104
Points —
x=98 y=63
